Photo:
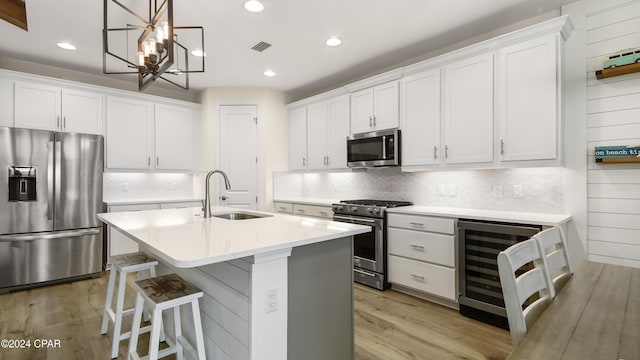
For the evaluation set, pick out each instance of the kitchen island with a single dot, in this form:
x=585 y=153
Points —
x=276 y=286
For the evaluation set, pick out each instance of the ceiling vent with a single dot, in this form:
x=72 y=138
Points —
x=261 y=46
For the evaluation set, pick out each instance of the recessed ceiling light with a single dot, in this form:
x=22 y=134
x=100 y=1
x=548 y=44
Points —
x=66 y=46
x=253 y=6
x=333 y=41
x=269 y=73
x=198 y=53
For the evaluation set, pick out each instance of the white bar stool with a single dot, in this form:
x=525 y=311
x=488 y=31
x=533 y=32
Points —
x=161 y=293
x=124 y=264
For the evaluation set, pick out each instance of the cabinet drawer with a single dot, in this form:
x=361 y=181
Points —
x=181 y=205
x=421 y=245
x=283 y=207
x=313 y=210
x=426 y=223
x=433 y=279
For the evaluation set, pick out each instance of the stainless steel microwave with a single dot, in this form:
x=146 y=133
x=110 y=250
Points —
x=374 y=149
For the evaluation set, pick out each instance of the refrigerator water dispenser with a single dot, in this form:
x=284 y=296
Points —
x=22 y=183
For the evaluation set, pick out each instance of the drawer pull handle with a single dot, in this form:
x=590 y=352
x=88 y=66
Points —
x=416 y=224
x=418 y=277
x=282 y=208
x=417 y=247
x=301 y=211
x=323 y=213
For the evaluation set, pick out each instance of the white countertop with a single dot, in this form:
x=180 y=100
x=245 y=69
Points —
x=183 y=238
x=148 y=201
x=307 y=201
x=483 y=214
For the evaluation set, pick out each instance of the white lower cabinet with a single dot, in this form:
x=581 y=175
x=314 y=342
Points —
x=118 y=243
x=316 y=211
x=422 y=254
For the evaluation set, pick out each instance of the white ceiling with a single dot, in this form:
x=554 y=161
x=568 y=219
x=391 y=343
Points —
x=376 y=34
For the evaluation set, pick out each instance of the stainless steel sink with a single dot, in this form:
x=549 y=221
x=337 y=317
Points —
x=239 y=216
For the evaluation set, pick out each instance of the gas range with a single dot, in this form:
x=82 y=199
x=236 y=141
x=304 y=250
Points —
x=367 y=207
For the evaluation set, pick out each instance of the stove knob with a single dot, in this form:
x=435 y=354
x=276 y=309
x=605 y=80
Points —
x=369 y=210
x=354 y=209
x=376 y=210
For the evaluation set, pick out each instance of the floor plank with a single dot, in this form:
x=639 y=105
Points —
x=388 y=326
x=391 y=325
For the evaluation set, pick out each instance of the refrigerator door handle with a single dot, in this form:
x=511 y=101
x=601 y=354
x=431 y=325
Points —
x=48 y=236
x=50 y=181
x=58 y=178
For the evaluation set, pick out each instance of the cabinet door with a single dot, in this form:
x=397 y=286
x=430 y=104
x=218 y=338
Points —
x=421 y=119
x=81 y=112
x=129 y=135
x=317 y=141
x=37 y=106
x=173 y=138
x=298 y=139
x=362 y=111
x=386 y=109
x=469 y=111
x=338 y=123
x=6 y=102
x=117 y=242
x=528 y=99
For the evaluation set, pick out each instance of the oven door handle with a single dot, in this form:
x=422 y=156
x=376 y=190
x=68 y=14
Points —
x=354 y=220
x=364 y=273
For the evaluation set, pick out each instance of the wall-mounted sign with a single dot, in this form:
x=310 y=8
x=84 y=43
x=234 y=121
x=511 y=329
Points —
x=617 y=154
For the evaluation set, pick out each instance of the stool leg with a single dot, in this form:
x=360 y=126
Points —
x=117 y=328
x=135 y=326
x=142 y=276
x=156 y=329
x=177 y=326
x=109 y=299
x=198 y=327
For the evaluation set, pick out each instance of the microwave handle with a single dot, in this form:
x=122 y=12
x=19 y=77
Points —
x=384 y=147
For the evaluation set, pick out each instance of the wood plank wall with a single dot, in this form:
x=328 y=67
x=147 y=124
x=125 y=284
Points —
x=224 y=309
x=613 y=118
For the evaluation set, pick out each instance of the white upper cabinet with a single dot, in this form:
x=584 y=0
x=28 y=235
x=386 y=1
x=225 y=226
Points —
x=45 y=107
x=173 y=138
x=328 y=128
x=375 y=108
x=337 y=132
x=298 y=138
x=129 y=135
x=468 y=110
x=138 y=137
x=421 y=119
x=527 y=99
x=317 y=129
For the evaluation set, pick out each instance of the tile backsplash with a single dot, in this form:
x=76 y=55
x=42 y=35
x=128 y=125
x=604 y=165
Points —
x=522 y=189
x=147 y=186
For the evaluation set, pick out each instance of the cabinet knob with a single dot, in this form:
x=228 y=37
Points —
x=223 y=198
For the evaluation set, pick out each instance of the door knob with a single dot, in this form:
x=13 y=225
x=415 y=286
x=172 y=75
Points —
x=223 y=198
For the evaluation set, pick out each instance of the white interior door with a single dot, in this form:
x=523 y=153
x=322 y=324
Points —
x=238 y=155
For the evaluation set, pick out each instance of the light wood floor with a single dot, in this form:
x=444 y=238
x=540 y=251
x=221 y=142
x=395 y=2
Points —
x=388 y=326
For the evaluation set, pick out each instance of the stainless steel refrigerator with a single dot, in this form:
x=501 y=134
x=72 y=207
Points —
x=50 y=193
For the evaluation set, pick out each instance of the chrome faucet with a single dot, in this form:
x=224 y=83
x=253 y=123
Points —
x=207 y=201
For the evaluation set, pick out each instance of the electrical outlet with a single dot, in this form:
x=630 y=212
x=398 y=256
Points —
x=517 y=191
x=441 y=190
x=124 y=187
x=453 y=191
x=271 y=297
x=497 y=191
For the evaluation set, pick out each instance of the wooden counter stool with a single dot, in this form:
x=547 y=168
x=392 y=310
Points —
x=161 y=293
x=124 y=264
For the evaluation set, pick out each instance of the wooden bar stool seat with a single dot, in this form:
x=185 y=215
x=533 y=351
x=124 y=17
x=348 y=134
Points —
x=124 y=264
x=162 y=293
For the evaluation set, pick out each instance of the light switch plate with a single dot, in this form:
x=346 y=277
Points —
x=453 y=191
x=517 y=191
x=441 y=190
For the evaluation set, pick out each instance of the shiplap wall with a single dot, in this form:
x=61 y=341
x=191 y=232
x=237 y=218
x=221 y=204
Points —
x=613 y=118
